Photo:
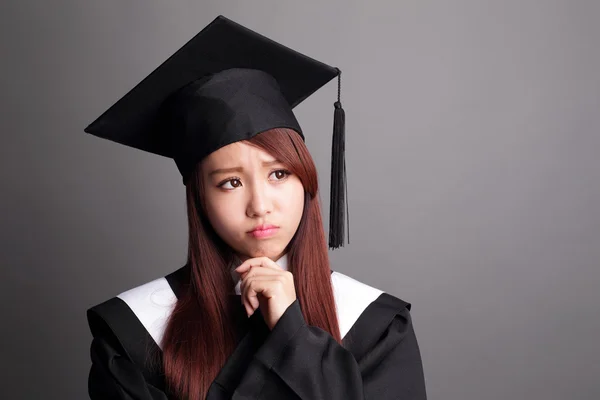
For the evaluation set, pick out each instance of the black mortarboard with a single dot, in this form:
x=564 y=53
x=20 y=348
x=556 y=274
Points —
x=228 y=83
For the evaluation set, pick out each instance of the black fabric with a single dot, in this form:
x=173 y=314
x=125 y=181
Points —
x=379 y=359
x=122 y=347
x=114 y=376
x=224 y=108
x=385 y=309
x=303 y=362
x=228 y=83
x=179 y=280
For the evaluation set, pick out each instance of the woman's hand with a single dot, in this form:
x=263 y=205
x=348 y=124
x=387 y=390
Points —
x=266 y=285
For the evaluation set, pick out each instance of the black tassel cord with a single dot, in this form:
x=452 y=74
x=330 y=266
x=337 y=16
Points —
x=339 y=195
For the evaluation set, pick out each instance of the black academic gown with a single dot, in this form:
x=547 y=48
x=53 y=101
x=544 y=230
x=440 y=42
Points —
x=379 y=359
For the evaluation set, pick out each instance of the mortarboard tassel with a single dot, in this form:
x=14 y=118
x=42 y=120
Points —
x=338 y=199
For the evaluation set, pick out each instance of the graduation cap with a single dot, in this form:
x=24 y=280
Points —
x=228 y=83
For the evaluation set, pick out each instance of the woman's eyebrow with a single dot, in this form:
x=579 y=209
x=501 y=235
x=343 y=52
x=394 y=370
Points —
x=240 y=169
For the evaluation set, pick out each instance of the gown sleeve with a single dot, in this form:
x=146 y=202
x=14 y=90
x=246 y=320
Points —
x=315 y=366
x=113 y=375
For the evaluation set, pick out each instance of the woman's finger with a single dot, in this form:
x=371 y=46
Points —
x=259 y=271
x=249 y=278
x=258 y=262
x=255 y=285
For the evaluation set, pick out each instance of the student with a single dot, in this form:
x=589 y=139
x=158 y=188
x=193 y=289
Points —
x=256 y=312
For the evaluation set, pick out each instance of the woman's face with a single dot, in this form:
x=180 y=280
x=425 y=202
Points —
x=245 y=188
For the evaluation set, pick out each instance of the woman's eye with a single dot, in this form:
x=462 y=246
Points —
x=280 y=174
x=233 y=183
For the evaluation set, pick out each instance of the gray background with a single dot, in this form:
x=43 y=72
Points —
x=472 y=163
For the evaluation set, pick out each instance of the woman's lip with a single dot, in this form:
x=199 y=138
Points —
x=263 y=233
x=263 y=227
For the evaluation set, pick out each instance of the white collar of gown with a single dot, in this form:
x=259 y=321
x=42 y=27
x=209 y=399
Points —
x=282 y=262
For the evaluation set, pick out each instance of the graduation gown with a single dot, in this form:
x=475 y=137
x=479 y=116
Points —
x=379 y=358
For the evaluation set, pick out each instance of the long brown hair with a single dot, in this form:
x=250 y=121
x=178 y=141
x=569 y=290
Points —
x=198 y=337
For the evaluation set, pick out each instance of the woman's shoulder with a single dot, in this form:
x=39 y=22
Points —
x=141 y=310
x=360 y=303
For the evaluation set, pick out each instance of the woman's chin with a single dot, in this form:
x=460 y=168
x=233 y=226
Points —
x=272 y=252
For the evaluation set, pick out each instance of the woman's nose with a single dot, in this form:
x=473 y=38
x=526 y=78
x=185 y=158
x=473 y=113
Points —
x=259 y=203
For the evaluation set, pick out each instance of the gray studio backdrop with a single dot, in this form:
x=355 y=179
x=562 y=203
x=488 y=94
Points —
x=473 y=173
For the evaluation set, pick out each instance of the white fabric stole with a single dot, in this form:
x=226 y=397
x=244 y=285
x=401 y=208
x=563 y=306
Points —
x=153 y=302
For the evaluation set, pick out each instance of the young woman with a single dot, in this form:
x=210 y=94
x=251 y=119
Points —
x=256 y=312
